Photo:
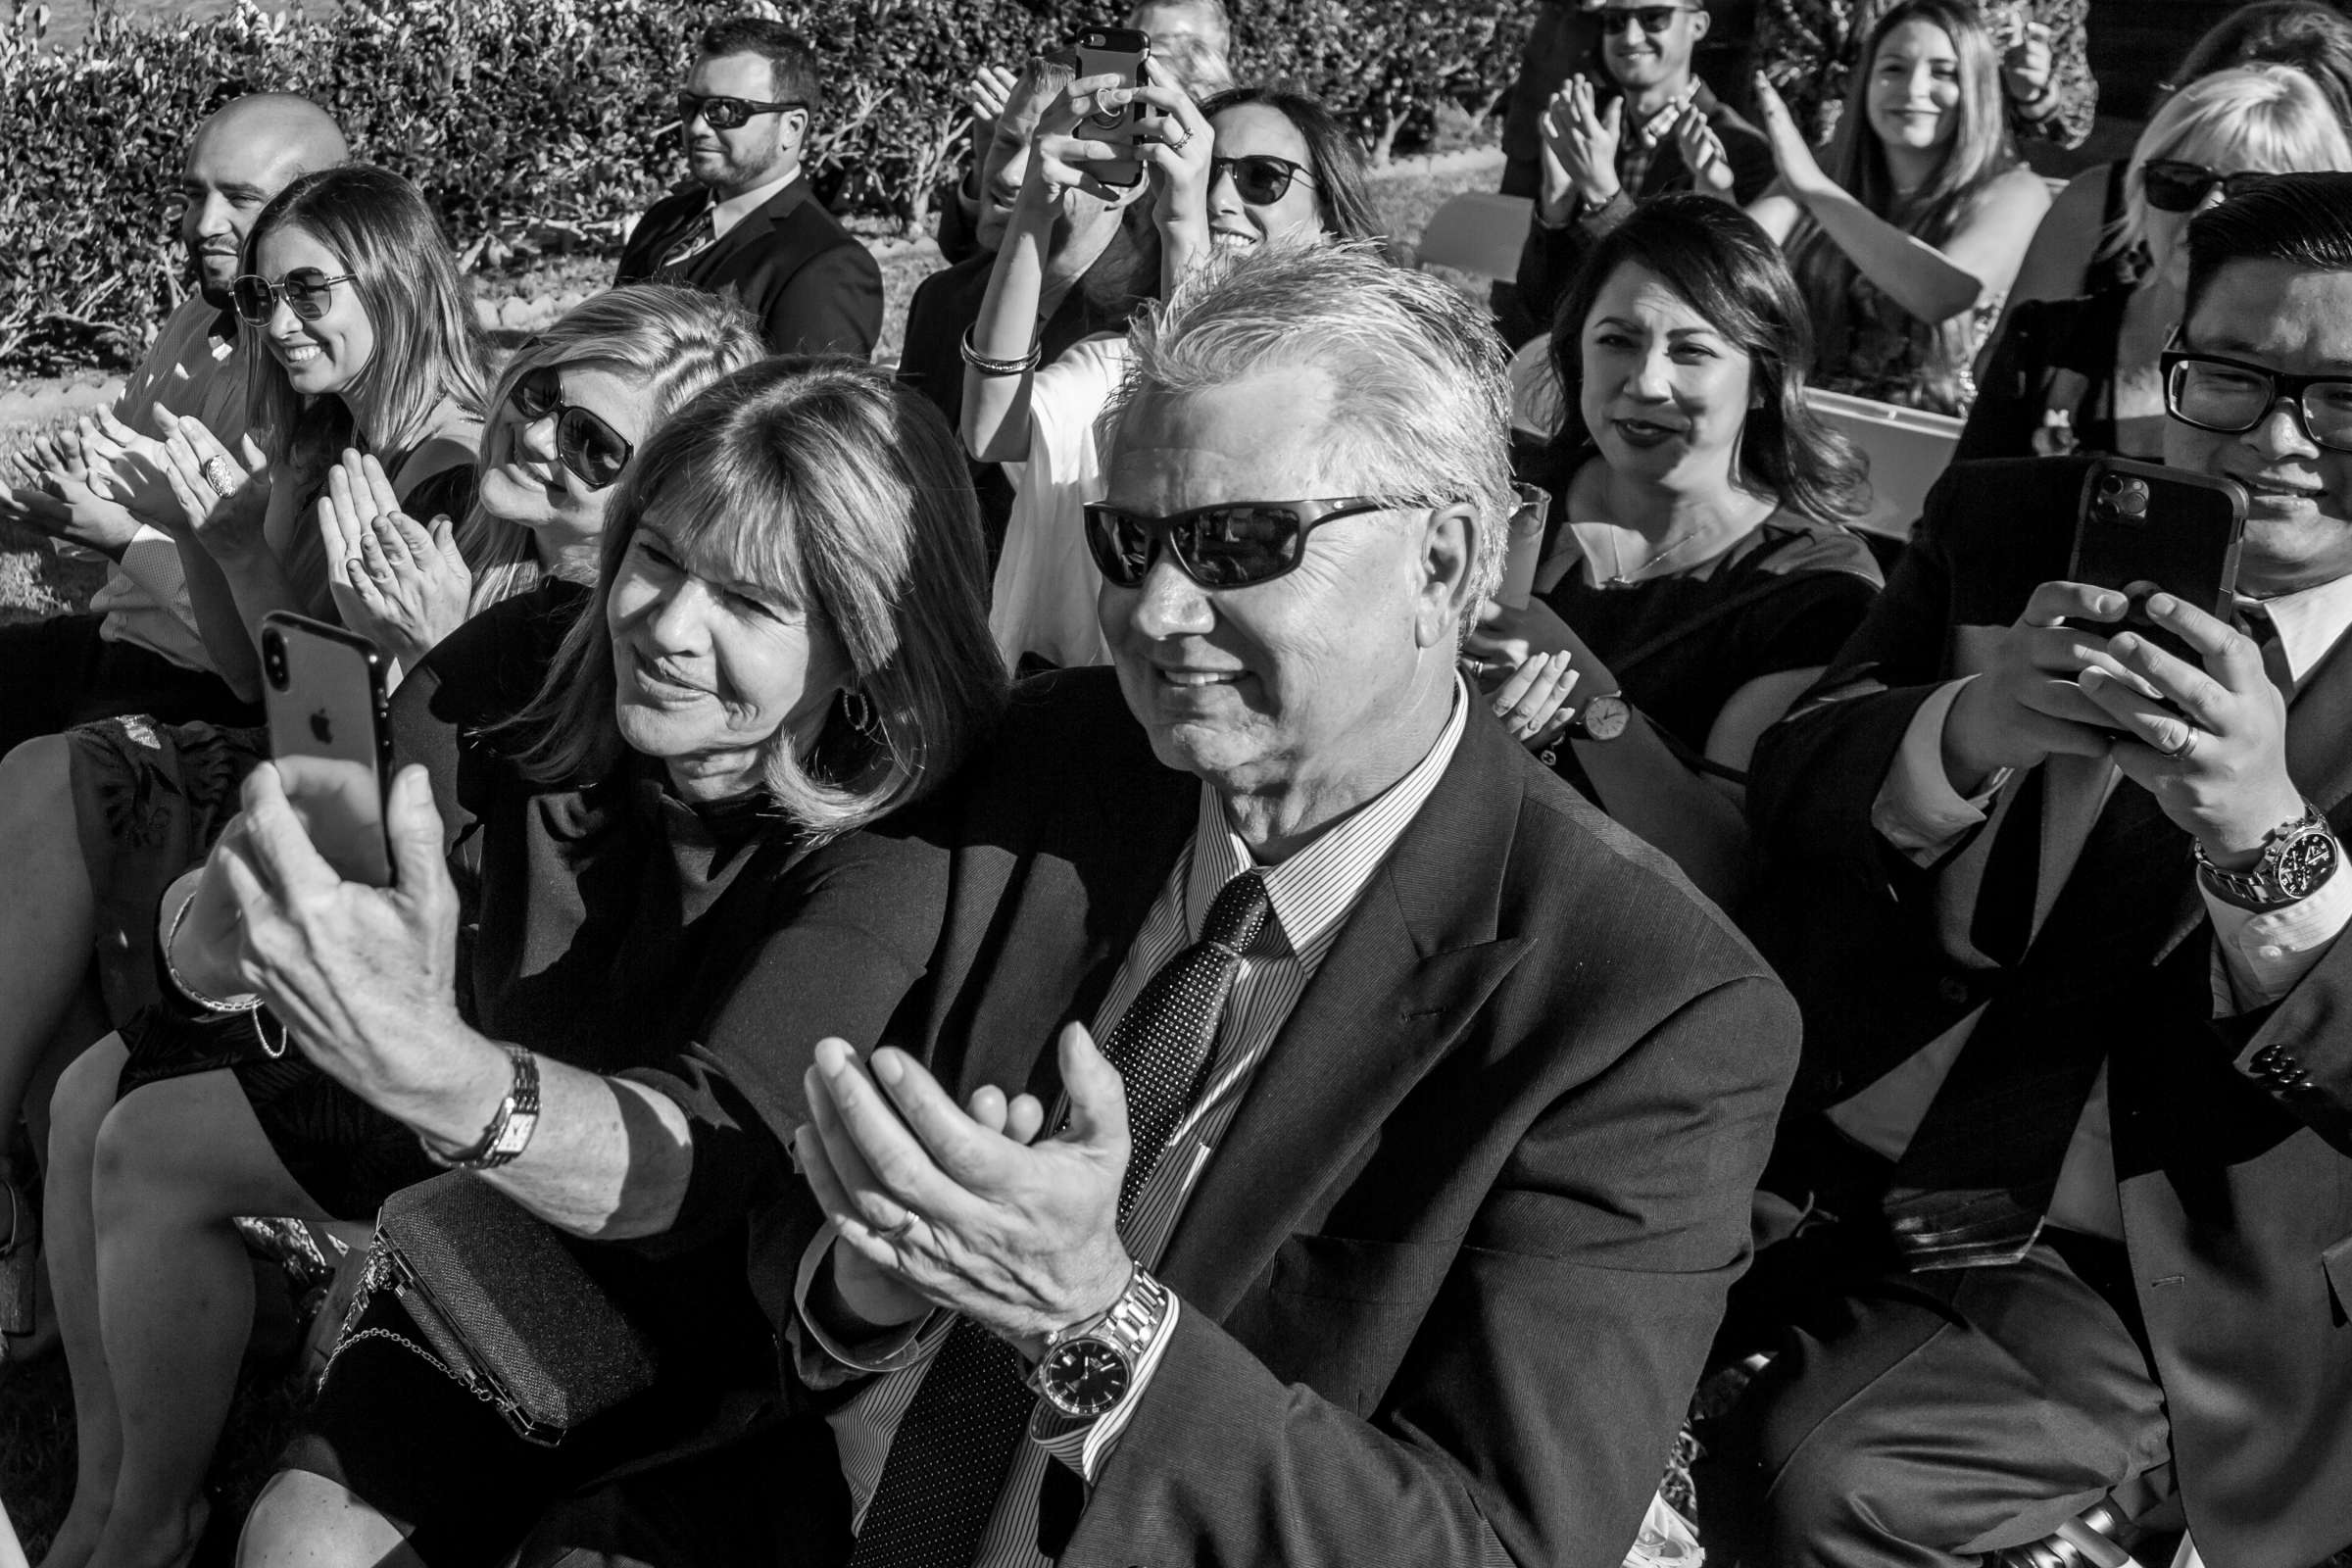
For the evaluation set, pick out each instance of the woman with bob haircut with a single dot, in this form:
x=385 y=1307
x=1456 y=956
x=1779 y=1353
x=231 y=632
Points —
x=2082 y=374
x=1698 y=567
x=1906 y=245
x=1250 y=166
x=660 y=846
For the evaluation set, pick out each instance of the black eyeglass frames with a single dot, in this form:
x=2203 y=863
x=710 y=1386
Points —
x=2231 y=397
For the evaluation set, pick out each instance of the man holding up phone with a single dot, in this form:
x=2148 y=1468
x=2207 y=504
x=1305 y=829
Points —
x=2074 y=1120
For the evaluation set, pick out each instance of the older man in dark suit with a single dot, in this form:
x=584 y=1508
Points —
x=1402 y=1110
x=747 y=225
x=2063 y=913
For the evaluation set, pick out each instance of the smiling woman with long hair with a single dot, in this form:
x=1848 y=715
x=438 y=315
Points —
x=1905 y=245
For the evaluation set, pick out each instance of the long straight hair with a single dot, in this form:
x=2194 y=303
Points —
x=1979 y=152
x=1335 y=159
x=430 y=348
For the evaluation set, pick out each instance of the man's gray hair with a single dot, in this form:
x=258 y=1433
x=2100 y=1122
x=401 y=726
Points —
x=1423 y=412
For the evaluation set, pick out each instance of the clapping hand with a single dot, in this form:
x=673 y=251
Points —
x=1800 y=172
x=399 y=584
x=2026 y=64
x=1703 y=154
x=2210 y=742
x=1542 y=661
x=221 y=500
x=50 y=487
x=1580 y=150
x=988 y=94
x=959 y=1208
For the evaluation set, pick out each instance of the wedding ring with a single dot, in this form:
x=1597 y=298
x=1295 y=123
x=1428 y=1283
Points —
x=2188 y=744
x=1183 y=141
x=216 y=472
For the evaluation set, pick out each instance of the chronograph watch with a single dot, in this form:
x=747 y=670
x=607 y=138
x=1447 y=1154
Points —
x=2295 y=860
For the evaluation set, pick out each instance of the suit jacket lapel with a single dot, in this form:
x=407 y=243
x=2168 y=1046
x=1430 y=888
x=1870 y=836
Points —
x=1413 y=965
x=2315 y=757
x=755 y=230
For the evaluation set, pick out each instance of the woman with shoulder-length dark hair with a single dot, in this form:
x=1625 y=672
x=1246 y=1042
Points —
x=1335 y=166
x=668 y=847
x=1699 y=569
x=1906 y=244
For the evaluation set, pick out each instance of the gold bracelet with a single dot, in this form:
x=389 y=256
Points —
x=209 y=1002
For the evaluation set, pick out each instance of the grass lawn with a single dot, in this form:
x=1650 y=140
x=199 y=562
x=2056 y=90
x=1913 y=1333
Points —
x=36 y=1430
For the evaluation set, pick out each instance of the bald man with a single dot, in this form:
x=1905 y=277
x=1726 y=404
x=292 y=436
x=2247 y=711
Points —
x=137 y=650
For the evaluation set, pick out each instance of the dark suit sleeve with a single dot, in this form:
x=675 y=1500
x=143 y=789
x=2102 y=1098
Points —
x=1549 y=256
x=1539 y=1400
x=2300 y=1051
x=833 y=305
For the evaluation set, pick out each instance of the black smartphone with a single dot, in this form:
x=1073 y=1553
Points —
x=1119 y=51
x=330 y=736
x=2142 y=528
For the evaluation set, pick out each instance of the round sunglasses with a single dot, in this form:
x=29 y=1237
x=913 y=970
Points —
x=728 y=113
x=1260 y=179
x=2172 y=186
x=308 y=292
x=596 y=453
x=1233 y=544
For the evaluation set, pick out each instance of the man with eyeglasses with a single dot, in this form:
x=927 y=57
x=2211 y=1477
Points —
x=747 y=225
x=1323 y=1138
x=1654 y=127
x=2074 y=1120
x=136 y=650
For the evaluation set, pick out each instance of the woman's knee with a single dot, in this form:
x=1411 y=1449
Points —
x=37 y=785
x=85 y=1093
x=303 y=1520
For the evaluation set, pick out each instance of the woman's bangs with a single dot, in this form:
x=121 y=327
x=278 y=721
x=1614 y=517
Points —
x=727 y=530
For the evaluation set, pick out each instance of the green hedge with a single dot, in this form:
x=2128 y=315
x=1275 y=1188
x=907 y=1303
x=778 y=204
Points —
x=545 y=123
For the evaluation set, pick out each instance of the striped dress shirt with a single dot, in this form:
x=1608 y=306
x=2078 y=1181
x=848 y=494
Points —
x=1311 y=893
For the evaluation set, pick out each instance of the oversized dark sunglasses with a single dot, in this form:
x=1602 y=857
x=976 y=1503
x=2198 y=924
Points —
x=1260 y=179
x=1231 y=545
x=1654 y=19
x=2173 y=186
x=2231 y=397
x=307 y=291
x=596 y=453
x=726 y=114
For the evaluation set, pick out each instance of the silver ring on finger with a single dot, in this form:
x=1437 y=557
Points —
x=2180 y=752
x=1183 y=141
x=216 y=472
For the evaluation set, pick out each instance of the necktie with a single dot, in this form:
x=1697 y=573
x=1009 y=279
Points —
x=696 y=240
x=2258 y=625
x=949 y=1454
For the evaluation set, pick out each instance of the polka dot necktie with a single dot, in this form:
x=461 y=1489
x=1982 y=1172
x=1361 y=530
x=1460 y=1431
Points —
x=949 y=1457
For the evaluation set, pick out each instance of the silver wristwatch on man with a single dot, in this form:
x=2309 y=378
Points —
x=2295 y=860
x=1088 y=1368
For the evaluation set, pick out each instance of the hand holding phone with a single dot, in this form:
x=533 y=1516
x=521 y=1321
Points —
x=2144 y=529
x=1123 y=52
x=330 y=737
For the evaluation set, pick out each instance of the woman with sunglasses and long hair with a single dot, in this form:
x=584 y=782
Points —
x=1251 y=166
x=570 y=414
x=1697 y=576
x=1906 y=244
x=2083 y=375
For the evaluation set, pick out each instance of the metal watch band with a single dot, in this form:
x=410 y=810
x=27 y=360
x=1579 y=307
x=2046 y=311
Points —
x=2259 y=886
x=509 y=1128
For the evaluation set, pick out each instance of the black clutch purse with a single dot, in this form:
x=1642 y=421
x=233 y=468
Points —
x=501 y=1306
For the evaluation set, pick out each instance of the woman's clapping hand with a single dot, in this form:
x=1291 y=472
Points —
x=394 y=581
x=222 y=498
x=1800 y=172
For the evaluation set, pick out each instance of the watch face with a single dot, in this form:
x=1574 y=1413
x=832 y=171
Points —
x=1085 y=1377
x=1605 y=718
x=2305 y=863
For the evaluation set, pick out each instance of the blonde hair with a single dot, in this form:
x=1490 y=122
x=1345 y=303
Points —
x=2273 y=116
x=829 y=485
x=672 y=341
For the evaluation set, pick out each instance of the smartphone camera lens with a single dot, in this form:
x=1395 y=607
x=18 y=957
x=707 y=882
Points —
x=273 y=660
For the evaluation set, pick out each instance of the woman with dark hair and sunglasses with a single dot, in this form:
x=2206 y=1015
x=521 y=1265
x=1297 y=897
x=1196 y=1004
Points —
x=568 y=417
x=1905 y=245
x=1251 y=166
x=2083 y=375
x=1697 y=576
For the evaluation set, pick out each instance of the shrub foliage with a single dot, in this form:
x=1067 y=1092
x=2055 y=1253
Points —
x=537 y=124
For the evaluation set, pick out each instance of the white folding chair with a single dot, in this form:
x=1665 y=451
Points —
x=1908 y=450
x=1477 y=232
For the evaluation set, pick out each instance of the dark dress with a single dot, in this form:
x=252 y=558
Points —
x=1785 y=598
x=615 y=928
x=2054 y=355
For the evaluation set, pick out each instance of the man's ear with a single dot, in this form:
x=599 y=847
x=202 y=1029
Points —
x=1700 y=21
x=1451 y=540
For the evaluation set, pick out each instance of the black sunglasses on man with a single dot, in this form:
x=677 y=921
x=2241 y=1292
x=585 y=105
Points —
x=728 y=114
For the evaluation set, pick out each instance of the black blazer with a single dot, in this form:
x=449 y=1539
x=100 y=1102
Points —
x=815 y=288
x=1448 y=1279
x=2236 y=1192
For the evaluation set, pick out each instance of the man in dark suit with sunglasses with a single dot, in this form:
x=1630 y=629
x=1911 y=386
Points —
x=2064 y=913
x=1653 y=126
x=747 y=225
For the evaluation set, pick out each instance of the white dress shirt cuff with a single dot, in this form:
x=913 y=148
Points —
x=824 y=1362
x=1918 y=810
x=1085 y=1443
x=2258 y=959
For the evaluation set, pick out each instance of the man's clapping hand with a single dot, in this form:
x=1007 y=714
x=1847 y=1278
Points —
x=1580 y=150
x=937 y=1204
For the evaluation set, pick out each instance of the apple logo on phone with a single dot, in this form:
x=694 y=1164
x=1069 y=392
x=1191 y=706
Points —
x=321 y=729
